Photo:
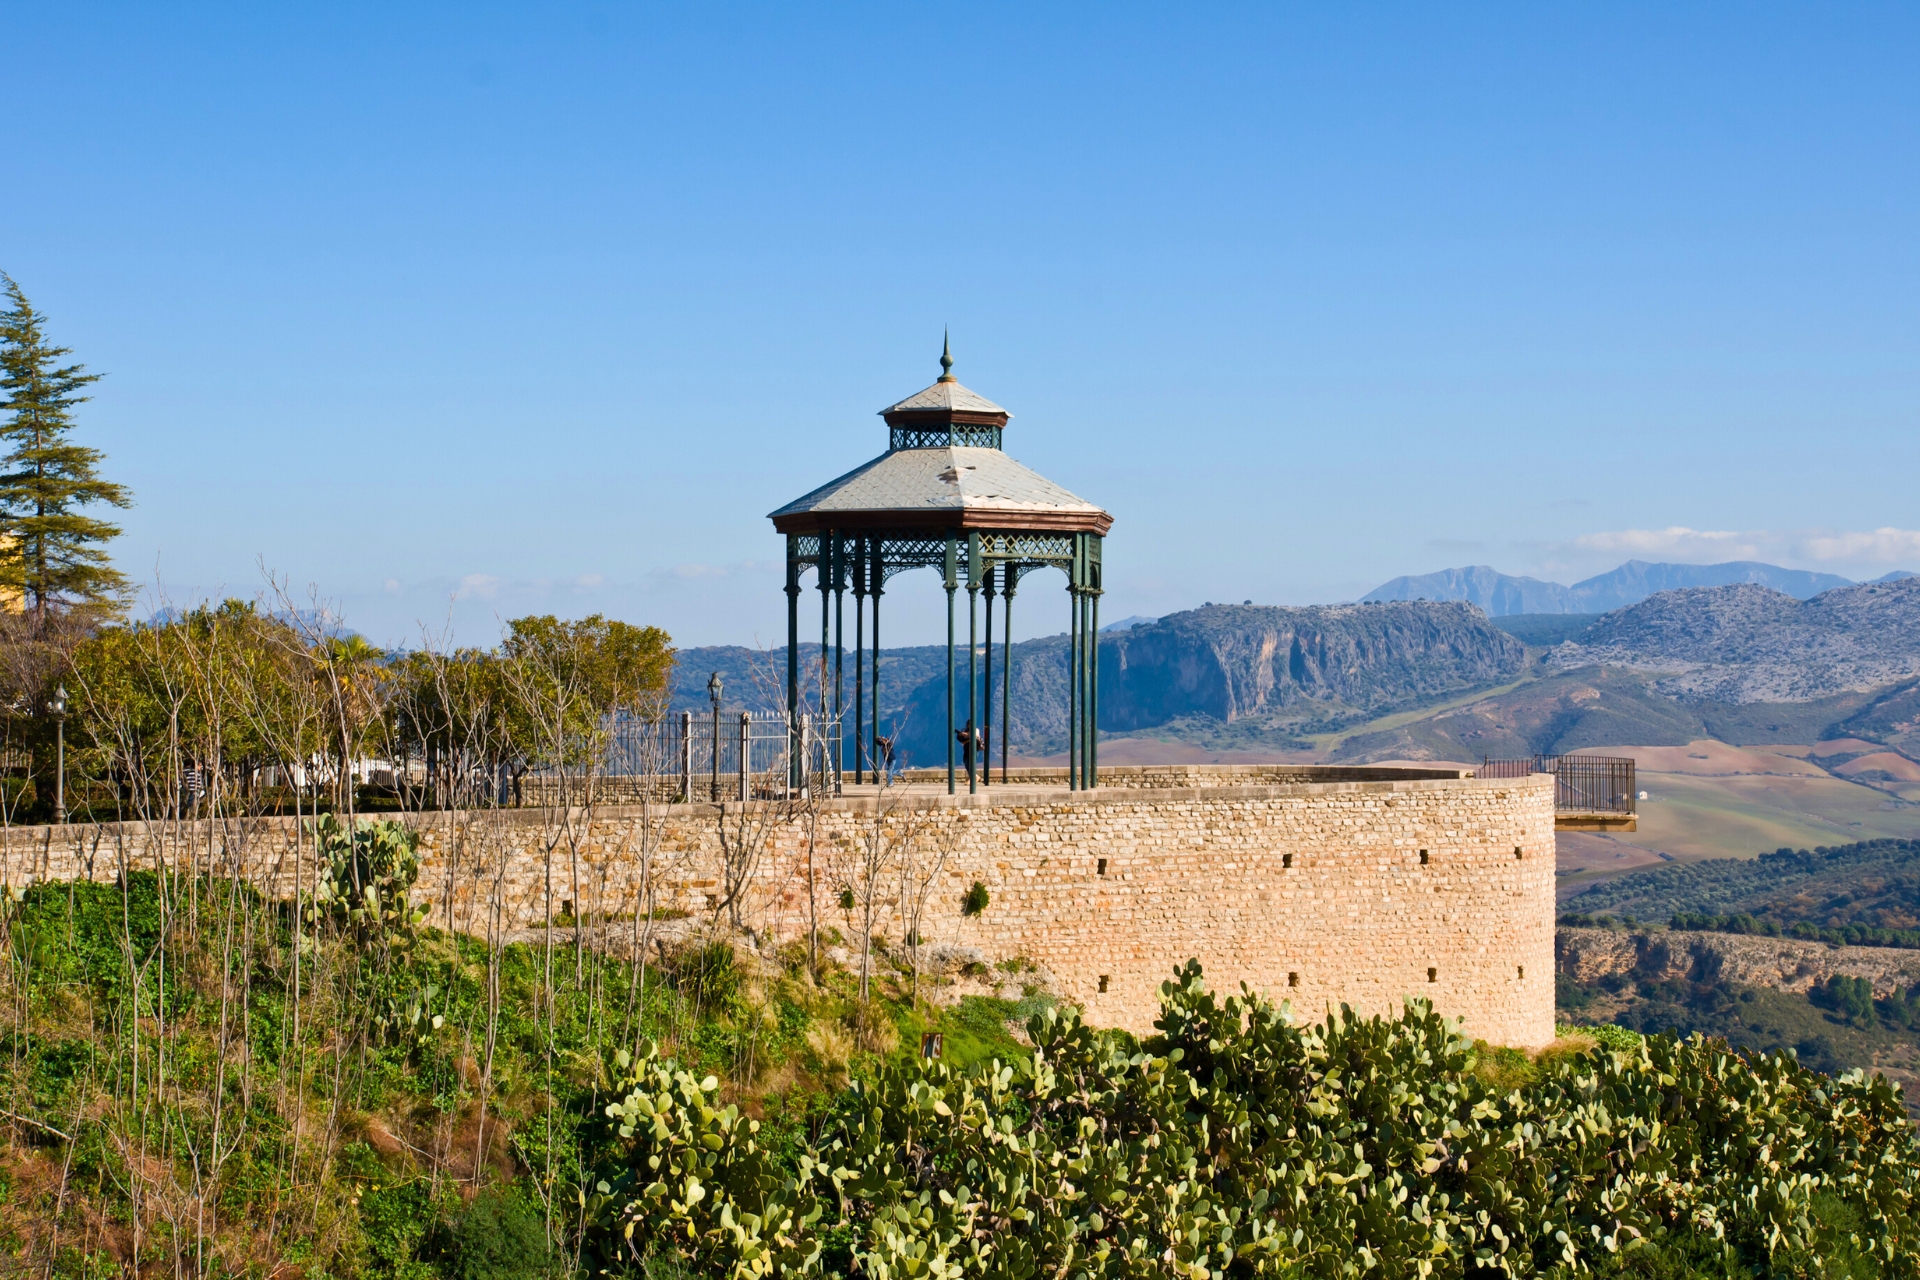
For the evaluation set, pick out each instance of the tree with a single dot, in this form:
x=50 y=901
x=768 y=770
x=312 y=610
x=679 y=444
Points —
x=53 y=556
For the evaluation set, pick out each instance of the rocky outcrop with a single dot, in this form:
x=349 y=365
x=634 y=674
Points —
x=1788 y=964
x=1749 y=643
x=1231 y=662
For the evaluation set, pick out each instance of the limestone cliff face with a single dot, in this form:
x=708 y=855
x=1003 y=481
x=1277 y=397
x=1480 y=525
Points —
x=1787 y=964
x=1231 y=662
x=1747 y=643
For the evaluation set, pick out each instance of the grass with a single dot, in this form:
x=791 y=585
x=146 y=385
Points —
x=1691 y=817
x=1331 y=742
x=157 y=1027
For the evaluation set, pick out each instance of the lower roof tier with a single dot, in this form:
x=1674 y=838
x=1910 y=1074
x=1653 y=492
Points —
x=946 y=487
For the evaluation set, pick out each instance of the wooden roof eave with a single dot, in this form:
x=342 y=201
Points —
x=924 y=522
x=933 y=418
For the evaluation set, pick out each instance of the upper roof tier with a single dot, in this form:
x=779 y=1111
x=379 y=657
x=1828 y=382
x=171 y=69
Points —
x=946 y=413
x=946 y=396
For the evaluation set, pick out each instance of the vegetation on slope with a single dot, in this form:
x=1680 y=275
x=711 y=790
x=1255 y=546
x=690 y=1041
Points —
x=196 y=1077
x=1863 y=894
x=1238 y=1143
x=1837 y=1026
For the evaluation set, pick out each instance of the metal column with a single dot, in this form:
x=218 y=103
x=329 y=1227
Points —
x=793 y=663
x=839 y=655
x=952 y=583
x=986 y=686
x=879 y=583
x=859 y=653
x=1006 y=665
x=973 y=663
x=1094 y=591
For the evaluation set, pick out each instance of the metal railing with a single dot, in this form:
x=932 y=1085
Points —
x=740 y=755
x=1581 y=784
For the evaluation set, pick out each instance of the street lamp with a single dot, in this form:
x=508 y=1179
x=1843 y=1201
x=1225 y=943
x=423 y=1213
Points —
x=59 y=708
x=713 y=693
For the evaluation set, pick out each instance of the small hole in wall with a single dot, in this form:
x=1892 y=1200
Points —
x=1103 y=866
x=1517 y=855
x=1520 y=971
x=1286 y=860
x=1293 y=979
x=1423 y=857
x=1433 y=975
x=1103 y=983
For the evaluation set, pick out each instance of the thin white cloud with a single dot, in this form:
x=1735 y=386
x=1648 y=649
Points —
x=1881 y=546
x=1677 y=540
x=1878 y=547
x=482 y=586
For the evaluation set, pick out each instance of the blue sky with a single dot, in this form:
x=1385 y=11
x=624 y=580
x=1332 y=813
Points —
x=460 y=313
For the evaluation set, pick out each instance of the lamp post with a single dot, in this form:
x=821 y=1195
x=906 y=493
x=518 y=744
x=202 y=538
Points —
x=713 y=693
x=59 y=708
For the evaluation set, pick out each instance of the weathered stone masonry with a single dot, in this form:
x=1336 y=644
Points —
x=1321 y=891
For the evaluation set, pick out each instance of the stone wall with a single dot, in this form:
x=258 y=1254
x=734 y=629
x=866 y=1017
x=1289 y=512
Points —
x=1362 y=888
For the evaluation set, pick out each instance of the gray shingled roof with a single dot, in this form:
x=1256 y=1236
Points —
x=945 y=395
x=940 y=479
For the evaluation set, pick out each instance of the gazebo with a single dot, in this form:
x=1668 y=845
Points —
x=943 y=496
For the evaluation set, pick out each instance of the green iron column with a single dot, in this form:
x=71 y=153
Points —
x=793 y=662
x=1006 y=664
x=1095 y=590
x=879 y=583
x=1073 y=666
x=973 y=663
x=839 y=655
x=825 y=567
x=986 y=684
x=952 y=583
x=859 y=653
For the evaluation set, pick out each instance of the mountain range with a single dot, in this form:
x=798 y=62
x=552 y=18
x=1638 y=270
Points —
x=1503 y=595
x=1743 y=663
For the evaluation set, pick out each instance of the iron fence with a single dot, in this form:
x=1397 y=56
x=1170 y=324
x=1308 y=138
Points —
x=1581 y=784
x=740 y=755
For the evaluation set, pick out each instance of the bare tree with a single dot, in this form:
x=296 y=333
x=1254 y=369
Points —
x=923 y=862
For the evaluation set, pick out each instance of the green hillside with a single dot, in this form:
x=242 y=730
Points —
x=1864 y=887
x=199 y=1076
x=1593 y=707
x=1823 y=1028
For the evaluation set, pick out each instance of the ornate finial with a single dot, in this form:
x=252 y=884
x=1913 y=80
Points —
x=946 y=357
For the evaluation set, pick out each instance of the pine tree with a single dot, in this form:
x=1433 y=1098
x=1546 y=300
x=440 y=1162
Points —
x=53 y=557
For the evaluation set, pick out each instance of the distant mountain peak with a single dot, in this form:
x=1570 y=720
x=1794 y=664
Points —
x=1502 y=595
x=1498 y=594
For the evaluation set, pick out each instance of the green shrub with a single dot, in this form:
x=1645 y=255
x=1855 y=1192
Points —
x=1237 y=1143
x=975 y=901
x=498 y=1238
x=1619 y=1039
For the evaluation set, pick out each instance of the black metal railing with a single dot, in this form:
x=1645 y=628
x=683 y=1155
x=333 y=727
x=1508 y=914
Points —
x=1581 y=784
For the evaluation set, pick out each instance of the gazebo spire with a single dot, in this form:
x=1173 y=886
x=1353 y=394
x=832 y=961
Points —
x=945 y=414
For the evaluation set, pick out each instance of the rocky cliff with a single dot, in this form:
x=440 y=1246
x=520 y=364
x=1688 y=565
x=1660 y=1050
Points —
x=1747 y=643
x=1588 y=956
x=1230 y=662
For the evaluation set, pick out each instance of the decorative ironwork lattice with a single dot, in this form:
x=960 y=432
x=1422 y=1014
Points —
x=965 y=437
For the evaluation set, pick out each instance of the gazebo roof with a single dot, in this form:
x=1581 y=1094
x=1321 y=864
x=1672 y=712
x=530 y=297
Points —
x=946 y=395
x=945 y=471
x=950 y=487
